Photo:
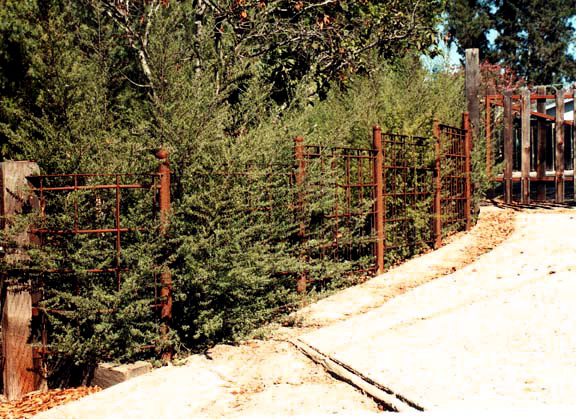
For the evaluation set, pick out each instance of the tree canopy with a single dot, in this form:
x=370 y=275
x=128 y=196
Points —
x=531 y=36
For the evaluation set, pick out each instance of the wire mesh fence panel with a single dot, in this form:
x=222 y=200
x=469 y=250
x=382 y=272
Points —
x=339 y=208
x=89 y=267
x=408 y=195
x=454 y=197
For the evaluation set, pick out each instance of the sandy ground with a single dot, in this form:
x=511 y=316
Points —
x=272 y=377
x=497 y=333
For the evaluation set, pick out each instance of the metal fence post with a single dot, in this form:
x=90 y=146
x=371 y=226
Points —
x=300 y=175
x=165 y=276
x=437 y=226
x=379 y=204
x=467 y=169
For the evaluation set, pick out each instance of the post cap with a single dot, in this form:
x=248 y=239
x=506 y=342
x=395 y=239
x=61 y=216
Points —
x=162 y=154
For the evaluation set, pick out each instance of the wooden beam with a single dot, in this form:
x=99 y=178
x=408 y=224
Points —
x=541 y=145
x=508 y=147
x=559 y=146
x=574 y=141
x=488 y=127
x=19 y=370
x=525 y=156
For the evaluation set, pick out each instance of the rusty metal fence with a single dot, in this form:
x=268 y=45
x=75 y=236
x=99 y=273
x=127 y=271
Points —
x=408 y=191
x=453 y=167
x=336 y=208
x=361 y=209
x=96 y=217
x=371 y=207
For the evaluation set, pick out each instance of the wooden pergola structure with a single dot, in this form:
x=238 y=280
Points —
x=523 y=121
x=529 y=107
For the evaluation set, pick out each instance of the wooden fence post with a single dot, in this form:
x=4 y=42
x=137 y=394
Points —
x=541 y=146
x=574 y=141
x=508 y=146
x=525 y=159
x=468 y=184
x=491 y=91
x=20 y=372
x=165 y=276
x=300 y=174
x=379 y=204
x=472 y=82
x=559 y=178
x=437 y=223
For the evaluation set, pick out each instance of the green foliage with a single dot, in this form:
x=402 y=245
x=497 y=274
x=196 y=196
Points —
x=532 y=36
x=402 y=97
x=91 y=98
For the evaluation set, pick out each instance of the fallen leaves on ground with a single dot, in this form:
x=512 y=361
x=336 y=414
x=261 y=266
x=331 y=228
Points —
x=37 y=401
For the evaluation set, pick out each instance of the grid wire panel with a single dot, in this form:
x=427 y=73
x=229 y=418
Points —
x=339 y=198
x=97 y=217
x=453 y=174
x=408 y=195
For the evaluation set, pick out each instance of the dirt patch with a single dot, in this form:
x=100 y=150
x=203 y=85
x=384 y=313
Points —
x=273 y=378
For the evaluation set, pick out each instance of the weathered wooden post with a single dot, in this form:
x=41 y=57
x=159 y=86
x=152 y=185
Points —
x=559 y=175
x=379 y=204
x=508 y=146
x=491 y=91
x=437 y=222
x=165 y=276
x=541 y=145
x=472 y=81
x=472 y=84
x=467 y=169
x=525 y=159
x=20 y=374
x=300 y=174
x=574 y=140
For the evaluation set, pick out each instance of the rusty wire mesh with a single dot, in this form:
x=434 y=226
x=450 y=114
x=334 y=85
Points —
x=95 y=218
x=454 y=196
x=408 y=195
x=338 y=200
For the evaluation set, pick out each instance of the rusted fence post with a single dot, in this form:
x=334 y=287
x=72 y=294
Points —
x=165 y=276
x=525 y=155
x=20 y=371
x=508 y=146
x=300 y=174
x=379 y=204
x=559 y=175
x=437 y=221
x=468 y=184
x=541 y=146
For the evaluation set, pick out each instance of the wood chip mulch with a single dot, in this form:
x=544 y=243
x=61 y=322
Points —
x=492 y=229
x=37 y=401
